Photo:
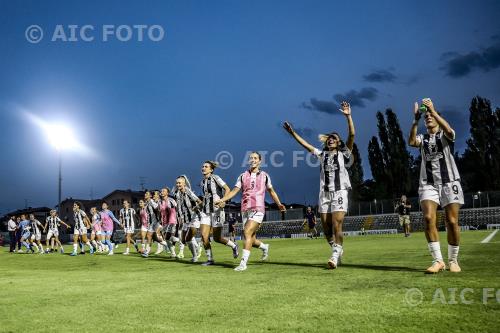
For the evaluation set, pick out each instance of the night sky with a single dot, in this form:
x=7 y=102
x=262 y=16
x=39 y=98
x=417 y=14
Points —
x=223 y=77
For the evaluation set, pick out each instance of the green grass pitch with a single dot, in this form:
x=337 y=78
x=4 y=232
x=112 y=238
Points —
x=379 y=288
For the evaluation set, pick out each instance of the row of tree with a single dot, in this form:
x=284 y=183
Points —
x=395 y=171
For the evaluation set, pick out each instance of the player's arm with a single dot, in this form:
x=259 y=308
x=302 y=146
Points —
x=67 y=225
x=412 y=139
x=110 y=214
x=276 y=199
x=345 y=108
x=228 y=196
x=86 y=221
x=443 y=124
x=288 y=127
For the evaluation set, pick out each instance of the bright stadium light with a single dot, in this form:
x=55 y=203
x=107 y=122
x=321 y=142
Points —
x=60 y=136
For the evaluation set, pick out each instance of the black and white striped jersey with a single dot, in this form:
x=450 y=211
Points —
x=127 y=217
x=212 y=190
x=79 y=217
x=53 y=222
x=186 y=201
x=333 y=172
x=152 y=208
x=438 y=165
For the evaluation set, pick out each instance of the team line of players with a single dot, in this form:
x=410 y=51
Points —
x=176 y=217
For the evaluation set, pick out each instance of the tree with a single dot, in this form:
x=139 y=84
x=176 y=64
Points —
x=356 y=174
x=480 y=163
x=390 y=161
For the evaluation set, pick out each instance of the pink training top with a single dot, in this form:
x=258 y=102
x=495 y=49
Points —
x=253 y=186
x=107 y=222
x=144 y=217
x=167 y=211
x=96 y=222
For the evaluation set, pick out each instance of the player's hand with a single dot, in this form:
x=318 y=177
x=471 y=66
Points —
x=428 y=103
x=288 y=127
x=345 y=108
x=416 y=112
x=220 y=203
x=282 y=208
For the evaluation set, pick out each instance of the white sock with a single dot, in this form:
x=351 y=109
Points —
x=75 y=247
x=244 y=257
x=88 y=244
x=231 y=244
x=174 y=239
x=337 y=250
x=435 y=249
x=94 y=243
x=263 y=246
x=453 y=253
x=209 y=254
x=143 y=246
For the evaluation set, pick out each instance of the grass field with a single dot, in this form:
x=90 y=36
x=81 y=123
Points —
x=292 y=292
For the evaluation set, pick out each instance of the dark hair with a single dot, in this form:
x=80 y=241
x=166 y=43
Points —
x=213 y=164
x=79 y=204
x=258 y=154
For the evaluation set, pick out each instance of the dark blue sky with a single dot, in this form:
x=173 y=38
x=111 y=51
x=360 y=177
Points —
x=223 y=78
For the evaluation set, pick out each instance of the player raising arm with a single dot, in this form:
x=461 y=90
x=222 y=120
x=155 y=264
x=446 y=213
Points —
x=335 y=157
x=439 y=182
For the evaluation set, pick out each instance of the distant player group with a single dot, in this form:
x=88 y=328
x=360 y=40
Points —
x=173 y=218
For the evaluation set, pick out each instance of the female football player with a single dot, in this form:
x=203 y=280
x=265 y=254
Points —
x=335 y=157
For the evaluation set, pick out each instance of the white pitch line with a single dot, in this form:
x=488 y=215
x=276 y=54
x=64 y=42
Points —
x=489 y=237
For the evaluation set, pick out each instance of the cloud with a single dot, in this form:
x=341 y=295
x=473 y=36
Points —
x=354 y=97
x=329 y=107
x=305 y=131
x=381 y=75
x=457 y=65
x=358 y=98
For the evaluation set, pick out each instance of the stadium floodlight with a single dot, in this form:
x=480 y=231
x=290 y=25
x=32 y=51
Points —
x=62 y=138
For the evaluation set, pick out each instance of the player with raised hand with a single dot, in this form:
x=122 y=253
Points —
x=82 y=223
x=335 y=157
x=439 y=182
x=253 y=183
x=212 y=216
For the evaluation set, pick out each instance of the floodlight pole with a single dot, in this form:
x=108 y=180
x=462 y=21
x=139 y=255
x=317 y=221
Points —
x=60 y=182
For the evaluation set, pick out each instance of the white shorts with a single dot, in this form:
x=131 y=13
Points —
x=215 y=219
x=330 y=202
x=129 y=230
x=252 y=215
x=442 y=194
x=144 y=228
x=171 y=228
x=36 y=236
x=52 y=232
x=82 y=231
x=195 y=223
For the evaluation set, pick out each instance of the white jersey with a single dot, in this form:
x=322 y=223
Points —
x=333 y=173
x=79 y=216
x=211 y=188
x=438 y=165
x=127 y=217
x=53 y=222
